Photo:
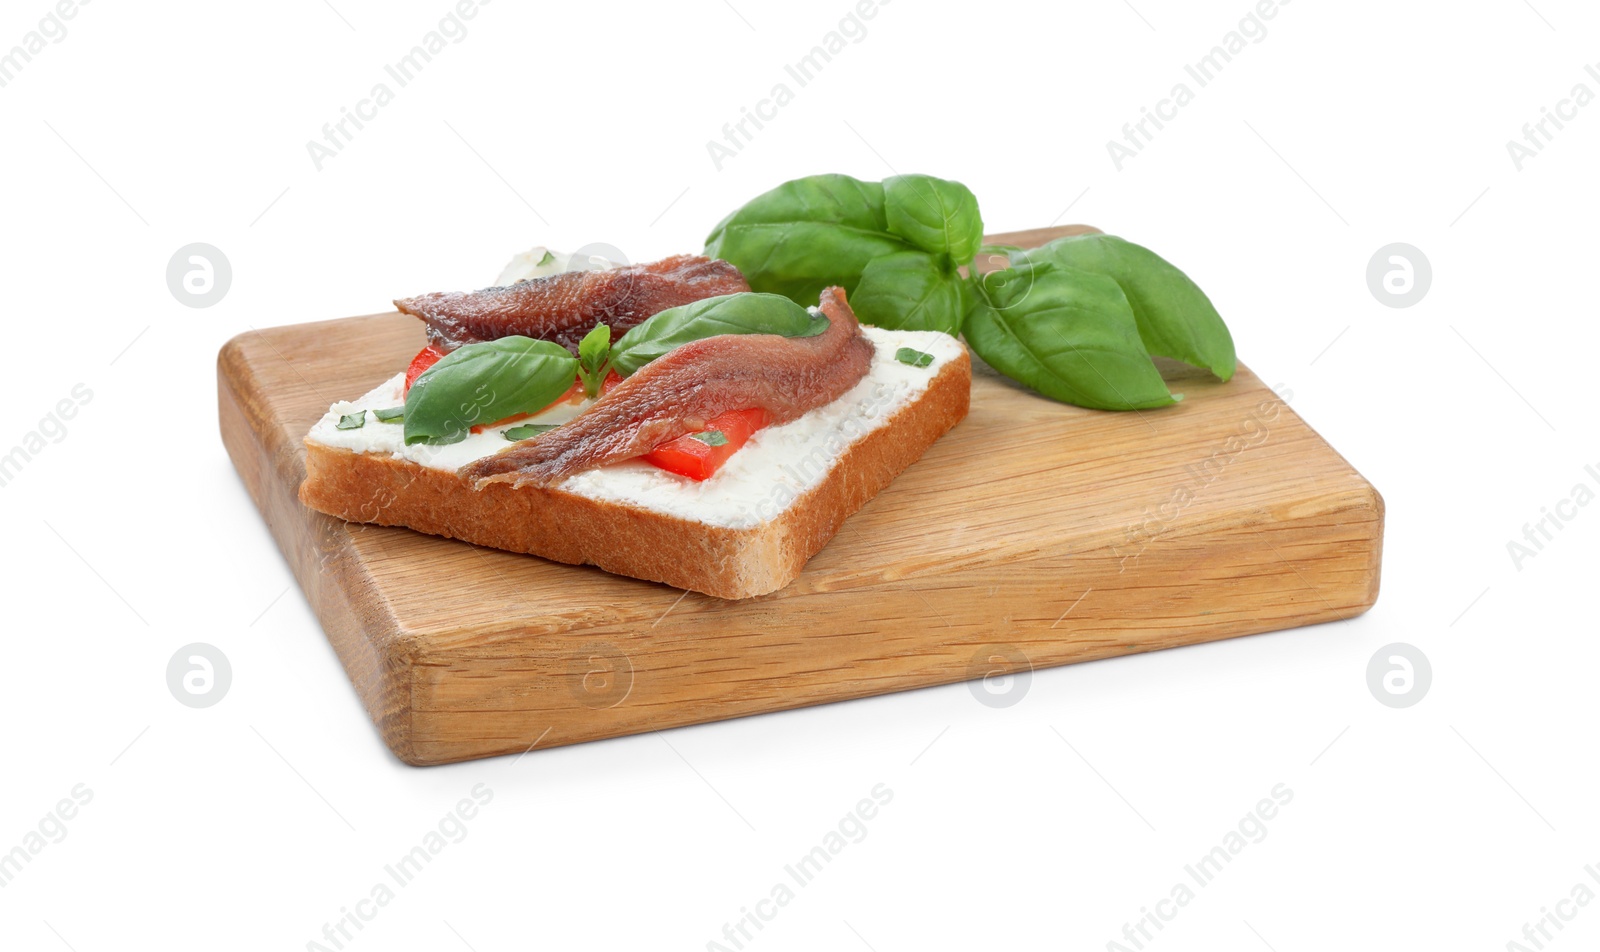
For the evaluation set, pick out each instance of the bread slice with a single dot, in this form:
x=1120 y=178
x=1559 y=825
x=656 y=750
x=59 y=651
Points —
x=747 y=531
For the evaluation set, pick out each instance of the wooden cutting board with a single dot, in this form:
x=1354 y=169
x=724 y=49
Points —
x=1033 y=534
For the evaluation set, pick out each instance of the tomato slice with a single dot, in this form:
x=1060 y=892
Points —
x=426 y=357
x=699 y=455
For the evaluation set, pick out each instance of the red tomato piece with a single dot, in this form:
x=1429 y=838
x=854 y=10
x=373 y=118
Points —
x=426 y=357
x=699 y=455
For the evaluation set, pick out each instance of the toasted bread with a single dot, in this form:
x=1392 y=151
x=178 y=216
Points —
x=748 y=530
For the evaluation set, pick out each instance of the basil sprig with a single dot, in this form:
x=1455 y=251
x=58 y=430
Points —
x=742 y=313
x=1078 y=321
x=477 y=384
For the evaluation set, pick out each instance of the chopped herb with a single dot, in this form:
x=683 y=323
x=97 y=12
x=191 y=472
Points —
x=548 y=257
x=353 y=421
x=711 y=438
x=391 y=415
x=528 y=430
x=915 y=358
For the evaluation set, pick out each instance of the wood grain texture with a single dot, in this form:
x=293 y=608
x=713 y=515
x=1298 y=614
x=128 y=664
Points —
x=1033 y=534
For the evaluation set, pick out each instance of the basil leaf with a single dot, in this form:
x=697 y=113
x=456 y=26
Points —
x=352 y=421
x=593 y=353
x=390 y=415
x=937 y=215
x=806 y=235
x=910 y=291
x=915 y=358
x=742 y=313
x=545 y=259
x=593 y=348
x=1175 y=317
x=1070 y=335
x=481 y=383
x=527 y=431
x=711 y=438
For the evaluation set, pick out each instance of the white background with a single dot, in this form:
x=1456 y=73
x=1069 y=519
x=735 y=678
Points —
x=1350 y=126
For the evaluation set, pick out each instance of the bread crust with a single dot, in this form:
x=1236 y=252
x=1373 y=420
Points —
x=727 y=563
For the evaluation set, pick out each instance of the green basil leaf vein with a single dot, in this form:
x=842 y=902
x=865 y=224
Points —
x=743 y=313
x=477 y=384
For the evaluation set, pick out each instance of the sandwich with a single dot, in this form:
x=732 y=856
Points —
x=659 y=421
